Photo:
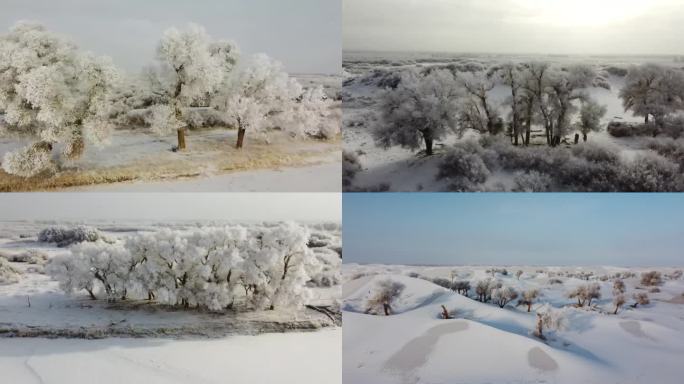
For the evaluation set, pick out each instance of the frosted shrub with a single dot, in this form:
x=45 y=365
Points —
x=442 y=282
x=532 y=181
x=651 y=278
x=463 y=170
x=65 y=236
x=549 y=318
x=503 y=296
x=640 y=298
x=350 y=167
x=387 y=291
x=585 y=294
x=206 y=268
x=8 y=274
x=650 y=173
x=462 y=287
x=618 y=301
x=28 y=161
x=528 y=298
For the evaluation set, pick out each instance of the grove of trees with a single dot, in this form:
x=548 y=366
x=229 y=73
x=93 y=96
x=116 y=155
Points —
x=428 y=103
x=265 y=267
x=64 y=98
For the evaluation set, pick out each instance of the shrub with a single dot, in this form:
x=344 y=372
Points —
x=532 y=181
x=32 y=256
x=549 y=318
x=444 y=283
x=28 y=161
x=350 y=167
x=651 y=278
x=463 y=169
x=528 y=298
x=65 y=236
x=649 y=173
x=503 y=296
x=640 y=298
x=585 y=294
x=387 y=291
x=618 y=301
x=461 y=287
x=8 y=274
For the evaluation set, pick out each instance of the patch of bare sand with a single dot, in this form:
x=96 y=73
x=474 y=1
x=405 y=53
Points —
x=415 y=353
x=537 y=358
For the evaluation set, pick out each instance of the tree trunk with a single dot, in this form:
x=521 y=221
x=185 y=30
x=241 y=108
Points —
x=427 y=136
x=577 y=138
x=585 y=137
x=92 y=295
x=529 y=306
x=646 y=119
x=616 y=309
x=240 y=138
x=539 y=327
x=386 y=308
x=181 y=139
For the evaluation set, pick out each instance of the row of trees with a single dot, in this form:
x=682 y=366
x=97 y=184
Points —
x=51 y=90
x=427 y=104
x=210 y=268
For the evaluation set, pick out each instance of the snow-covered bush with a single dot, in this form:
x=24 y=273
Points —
x=640 y=298
x=549 y=318
x=65 y=236
x=31 y=256
x=463 y=170
x=528 y=298
x=8 y=274
x=462 y=287
x=442 y=282
x=651 y=278
x=618 y=287
x=28 y=161
x=585 y=294
x=532 y=181
x=386 y=292
x=350 y=167
x=503 y=296
x=268 y=266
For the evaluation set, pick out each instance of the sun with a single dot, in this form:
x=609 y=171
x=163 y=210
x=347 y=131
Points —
x=583 y=13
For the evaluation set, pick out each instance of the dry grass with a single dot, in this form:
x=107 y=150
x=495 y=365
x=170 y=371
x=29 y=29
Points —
x=205 y=155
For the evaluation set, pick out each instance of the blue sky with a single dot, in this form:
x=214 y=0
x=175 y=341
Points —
x=510 y=229
x=303 y=34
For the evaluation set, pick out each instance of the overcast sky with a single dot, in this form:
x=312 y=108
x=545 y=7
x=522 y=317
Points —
x=303 y=34
x=172 y=206
x=514 y=229
x=515 y=26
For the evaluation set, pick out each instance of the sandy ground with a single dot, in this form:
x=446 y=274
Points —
x=312 y=178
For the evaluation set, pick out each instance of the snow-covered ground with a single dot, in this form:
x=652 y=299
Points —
x=402 y=170
x=47 y=336
x=487 y=344
x=296 y=358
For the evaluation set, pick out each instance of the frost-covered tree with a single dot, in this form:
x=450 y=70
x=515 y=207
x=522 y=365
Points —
x=651 y=278
x=549 y=318
x=653 y=90
x=590 y=117
x=528 y=298
x=564 y=87
x=386 y=292
x=207 y=267
x=519 y=101
x=259 y=95
x=518 y=274
x=190 y=68
x=421 y=109
x=503 y=296
x=51 y=91
x=478 y=112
